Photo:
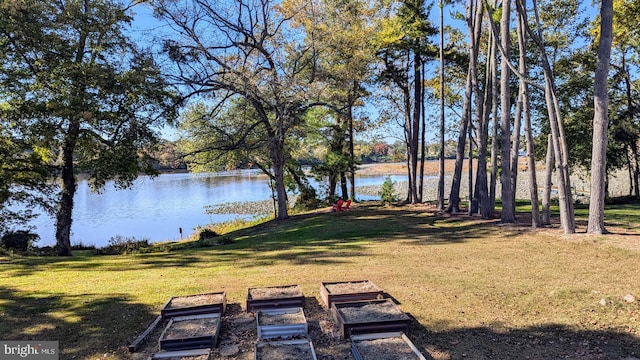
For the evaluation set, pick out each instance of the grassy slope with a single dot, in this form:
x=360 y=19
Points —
x=475 y=289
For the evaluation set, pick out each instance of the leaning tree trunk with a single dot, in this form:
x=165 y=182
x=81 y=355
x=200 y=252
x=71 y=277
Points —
x=559 y=155
x=600 y=122
x=567 y=219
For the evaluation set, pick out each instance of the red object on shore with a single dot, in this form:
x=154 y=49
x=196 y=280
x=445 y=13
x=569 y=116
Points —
x=338 y=206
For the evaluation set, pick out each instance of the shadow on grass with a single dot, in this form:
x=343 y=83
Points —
x=361 y=224
x=26 y=265
x=321 y=238
x=548 y=341
x=92 y=325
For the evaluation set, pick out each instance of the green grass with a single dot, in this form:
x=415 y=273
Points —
x=475 y=289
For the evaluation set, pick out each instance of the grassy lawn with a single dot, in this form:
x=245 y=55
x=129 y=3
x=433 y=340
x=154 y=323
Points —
x=476 y=289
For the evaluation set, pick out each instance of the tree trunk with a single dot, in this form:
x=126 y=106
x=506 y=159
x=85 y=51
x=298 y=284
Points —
x=473 y=205
x=415 y=127
x=630 y=170
x=561 y=170
x=332 y=186
x=408 y=134
x=465 y=122
x=352 y=157
x=567 y=215
x=561 y=152
x=515 y=145
x=494 y=128
x=508 y=206
x=277 y=157
x=343 y=185
x=600 y=122
x=423 y=142
x=64 y=217
x=524 y=93
x=442 y=123
x=548 y=183
x=636 y=173
x=482 y=185
x=454 y=195
x=475 y=30
x=65 y=206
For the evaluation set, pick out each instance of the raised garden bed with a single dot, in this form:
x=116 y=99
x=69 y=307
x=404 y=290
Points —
x=301 y=349
x=372 y=316
x=195 y=305
x=281 y=323
x=384 y=346
x=349 y=291
x=191 y=332
x=273 y=297
x=196 y=354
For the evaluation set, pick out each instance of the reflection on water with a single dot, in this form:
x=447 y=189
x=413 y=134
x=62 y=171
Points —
x=156 y=208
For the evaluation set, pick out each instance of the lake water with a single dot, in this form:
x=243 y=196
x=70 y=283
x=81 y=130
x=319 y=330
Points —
x=156 y=208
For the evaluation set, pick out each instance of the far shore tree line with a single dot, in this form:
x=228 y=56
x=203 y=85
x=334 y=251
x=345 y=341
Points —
x=275 y=85
x=169 y=157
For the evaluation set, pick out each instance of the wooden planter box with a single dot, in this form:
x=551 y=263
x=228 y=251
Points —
x=195 y=305
x=281 y=323
x=349 y=291
x=384 y=346
x=301 y=349
x=372 y=316
x=273 y=297
x=191 y=332
x=197 y=354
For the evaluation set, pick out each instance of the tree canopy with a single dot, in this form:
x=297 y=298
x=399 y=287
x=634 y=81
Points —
x=78 y=92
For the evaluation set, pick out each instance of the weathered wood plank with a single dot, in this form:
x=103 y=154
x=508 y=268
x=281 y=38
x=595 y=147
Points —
x=134 y=345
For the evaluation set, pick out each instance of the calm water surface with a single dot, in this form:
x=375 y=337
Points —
x=156 y=208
